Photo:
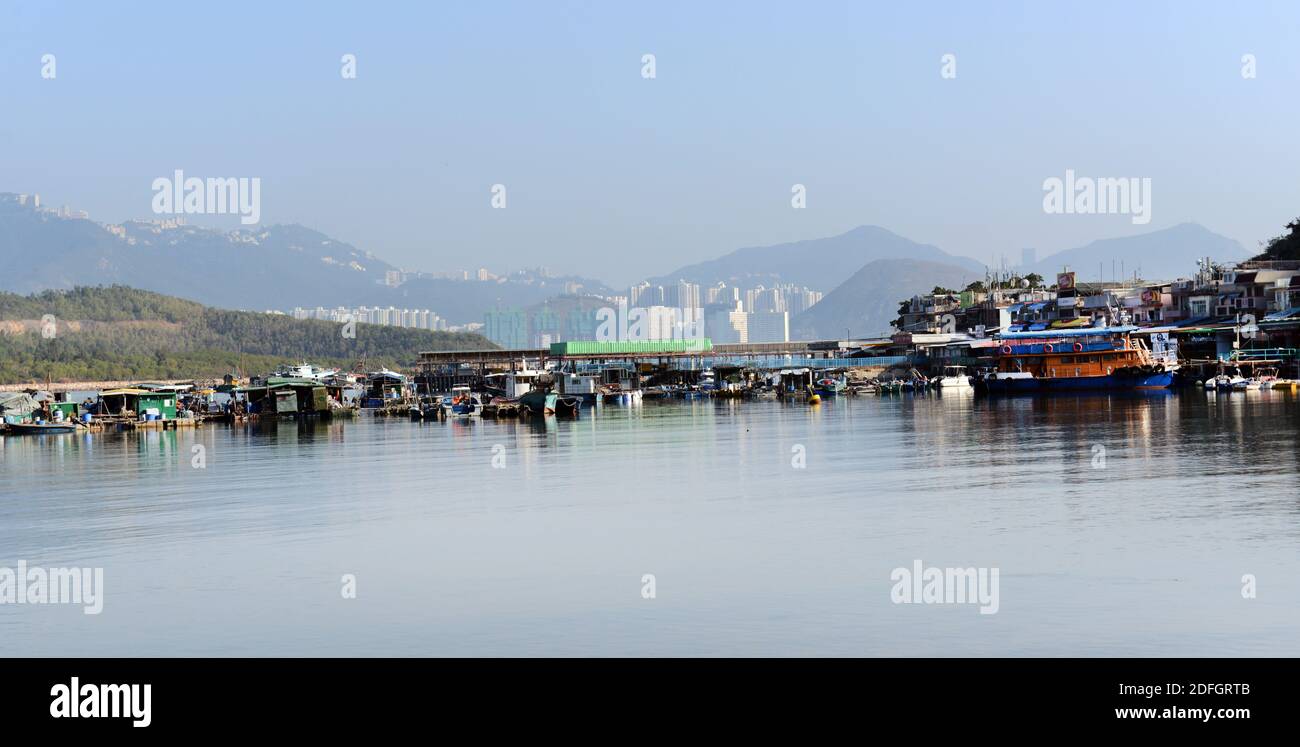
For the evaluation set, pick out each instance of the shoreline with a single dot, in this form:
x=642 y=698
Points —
x=86 y=386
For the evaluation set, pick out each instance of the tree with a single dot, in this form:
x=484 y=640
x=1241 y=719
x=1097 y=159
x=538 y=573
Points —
x=1034 y=279
x=977 y=287
x=1283 y=247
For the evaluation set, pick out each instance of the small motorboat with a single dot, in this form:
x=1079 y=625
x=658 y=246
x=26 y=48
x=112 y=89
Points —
x=954 y=377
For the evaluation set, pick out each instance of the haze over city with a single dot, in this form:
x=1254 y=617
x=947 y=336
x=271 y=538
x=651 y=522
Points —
x=617 y=176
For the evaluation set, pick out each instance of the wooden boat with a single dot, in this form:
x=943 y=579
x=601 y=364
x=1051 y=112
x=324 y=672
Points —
x=1066 y=360
x=33 y=428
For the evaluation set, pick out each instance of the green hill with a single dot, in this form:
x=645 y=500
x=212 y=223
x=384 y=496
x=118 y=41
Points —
x=120 y=333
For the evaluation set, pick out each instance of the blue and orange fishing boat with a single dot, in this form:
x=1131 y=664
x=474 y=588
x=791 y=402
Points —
x=1094 y=358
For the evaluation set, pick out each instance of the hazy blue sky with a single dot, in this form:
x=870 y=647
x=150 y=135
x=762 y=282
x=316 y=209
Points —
x=615 y=176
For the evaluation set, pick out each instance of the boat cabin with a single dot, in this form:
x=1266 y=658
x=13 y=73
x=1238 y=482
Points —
x=1072 y=357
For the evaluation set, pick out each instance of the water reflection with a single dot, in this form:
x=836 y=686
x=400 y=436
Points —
x=530 y=537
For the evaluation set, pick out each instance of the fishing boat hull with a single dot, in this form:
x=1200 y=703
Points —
x=539 y=403
x=1111 y=382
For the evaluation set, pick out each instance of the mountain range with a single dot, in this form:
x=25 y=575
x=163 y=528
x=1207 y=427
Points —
x=864 y=271
x=1166 y=254
x=272 y=267
x=820 y=264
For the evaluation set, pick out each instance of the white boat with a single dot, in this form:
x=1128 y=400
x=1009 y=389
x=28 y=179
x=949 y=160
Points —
x=304 y=370
x=707 y=381
x=955 y=378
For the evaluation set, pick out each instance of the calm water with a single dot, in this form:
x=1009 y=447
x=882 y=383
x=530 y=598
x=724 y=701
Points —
x=1143 y=554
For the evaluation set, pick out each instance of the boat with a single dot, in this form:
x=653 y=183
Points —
x=460 y=403
x=889 y=386
x=1082 y=359
x=707 y=382
x=828 y=386
x=567 y=406
x=35 y=428
x=575 y=385
x=538 y=402
x=954 y=378
x=304 y=370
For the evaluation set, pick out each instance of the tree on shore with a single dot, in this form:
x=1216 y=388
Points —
x=1285 y=246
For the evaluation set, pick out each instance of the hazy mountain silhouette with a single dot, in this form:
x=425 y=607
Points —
x=265 y=267
x=867 y=302
x=820 y=264
x=1166 y=254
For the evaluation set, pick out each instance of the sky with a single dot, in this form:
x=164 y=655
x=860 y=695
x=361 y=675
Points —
x=613 y=175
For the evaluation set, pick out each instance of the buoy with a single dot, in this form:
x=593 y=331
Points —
x=1078 y=346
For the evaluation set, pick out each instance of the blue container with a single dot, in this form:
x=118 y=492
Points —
x=150 y=417
x=86 y=417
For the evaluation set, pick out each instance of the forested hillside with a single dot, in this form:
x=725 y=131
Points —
x=110 y=333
